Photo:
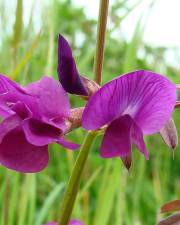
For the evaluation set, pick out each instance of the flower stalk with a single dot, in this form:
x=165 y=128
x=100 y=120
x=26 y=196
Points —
x=101 y=30
x=73 y=185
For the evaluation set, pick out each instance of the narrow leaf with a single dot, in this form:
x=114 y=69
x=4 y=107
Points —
x=48 y=203
x=18 y=24
x=26 y=58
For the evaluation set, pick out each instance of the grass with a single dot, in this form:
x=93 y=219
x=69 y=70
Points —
x=108 y=194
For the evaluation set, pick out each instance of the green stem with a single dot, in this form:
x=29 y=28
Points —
x=73 y=186
x=6 y=201
x=101 y=30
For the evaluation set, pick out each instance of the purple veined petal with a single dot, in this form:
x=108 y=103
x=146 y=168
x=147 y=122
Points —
x=17 y=154
x=117 y=139
x=67 y=71
x=9 y=86
x=67 y=144
x=8 y=124
x=149 y=98
x=5 y=111
x=119 y=136
x=11 y=92
x=137 y=139
x=39 y=133
x=58 y=122
x=21 y=110
x=52 y=99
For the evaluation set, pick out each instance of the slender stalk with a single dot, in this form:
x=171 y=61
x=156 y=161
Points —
x=101 y=30
x=73 y=186
x=6 y=201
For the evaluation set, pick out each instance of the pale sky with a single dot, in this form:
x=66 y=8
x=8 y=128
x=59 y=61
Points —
x=162 y=28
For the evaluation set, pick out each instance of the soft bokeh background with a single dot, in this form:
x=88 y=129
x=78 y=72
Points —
x=141 y=35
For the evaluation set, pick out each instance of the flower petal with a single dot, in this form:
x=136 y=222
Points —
x=17 y=154
x=39 y=133
x=8 y=124
x=67 y=71
x=137 y=139
x=10 y=91
x=5 y=111
x=21 y=110
x=117 y=140
x=149 y=98
x=119 y=136
x=9 y=86
x=75 y=222
x=67 y=144
x=52 y=99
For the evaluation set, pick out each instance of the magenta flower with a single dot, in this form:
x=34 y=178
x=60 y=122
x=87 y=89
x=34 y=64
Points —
x=72 y=222
x=33 y=117
x=68 y=74
x=131 y=106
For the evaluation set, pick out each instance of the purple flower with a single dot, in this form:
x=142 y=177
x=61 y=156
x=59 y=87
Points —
x=67 y=71
x=68 y=74
x=131 y=106
x=72 y=222
x=32 y=118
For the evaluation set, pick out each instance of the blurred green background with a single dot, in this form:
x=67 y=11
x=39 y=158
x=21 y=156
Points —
x=109 y=195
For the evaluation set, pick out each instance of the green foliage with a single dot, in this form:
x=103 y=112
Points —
x=109 y=194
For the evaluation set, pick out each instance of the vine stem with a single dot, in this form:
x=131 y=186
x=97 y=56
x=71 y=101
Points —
x=74 y=181
x=101 y=31
x=73 y=185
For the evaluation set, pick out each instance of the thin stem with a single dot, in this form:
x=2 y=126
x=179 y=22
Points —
x=6 y=201
x=73 y=186
x=101 y=30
